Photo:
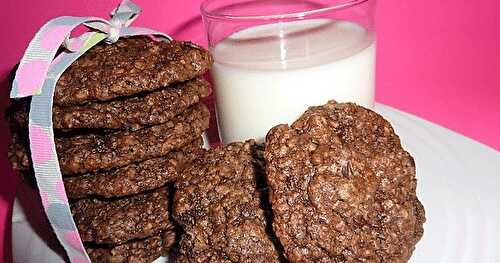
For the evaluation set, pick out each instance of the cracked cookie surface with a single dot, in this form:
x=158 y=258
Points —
x=134 y=178
x=133 y=113
x=136 y=251
x=87 y=153
x=342 y=188
x=121 y=220
x=218 y=205
x=130 y=66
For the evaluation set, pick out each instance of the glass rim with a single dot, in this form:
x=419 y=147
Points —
x=300 y=14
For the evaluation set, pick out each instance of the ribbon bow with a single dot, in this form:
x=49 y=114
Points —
x=37 y=76
x=121 y=17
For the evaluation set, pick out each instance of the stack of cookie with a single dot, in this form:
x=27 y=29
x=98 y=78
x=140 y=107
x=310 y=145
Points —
x=127 y=116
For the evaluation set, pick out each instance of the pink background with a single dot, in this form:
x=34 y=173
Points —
x=439 y=60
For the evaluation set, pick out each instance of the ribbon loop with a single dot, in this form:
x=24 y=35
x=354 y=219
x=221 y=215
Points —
x=41 y=51
x=126 y=13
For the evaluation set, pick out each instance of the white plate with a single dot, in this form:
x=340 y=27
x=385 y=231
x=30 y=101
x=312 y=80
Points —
x=458 y=184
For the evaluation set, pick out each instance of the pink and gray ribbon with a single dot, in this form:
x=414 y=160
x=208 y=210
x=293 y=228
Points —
x=37 y=76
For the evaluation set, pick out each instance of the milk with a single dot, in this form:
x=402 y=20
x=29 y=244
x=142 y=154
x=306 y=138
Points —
x=268 y=75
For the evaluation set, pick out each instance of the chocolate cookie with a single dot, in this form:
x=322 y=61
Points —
x=137 y=251
x=132 y=113
x=218 y=206
x=17 y=153
x=129 y=66
x=134 y=178
x=342 y=187
x=87 y=153
x=118 y=221
x=17 y=114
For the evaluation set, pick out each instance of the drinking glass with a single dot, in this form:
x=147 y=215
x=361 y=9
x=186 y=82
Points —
x=276 y=58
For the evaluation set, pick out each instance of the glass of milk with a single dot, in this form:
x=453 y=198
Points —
x=276 y=58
